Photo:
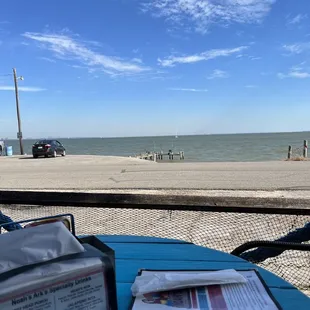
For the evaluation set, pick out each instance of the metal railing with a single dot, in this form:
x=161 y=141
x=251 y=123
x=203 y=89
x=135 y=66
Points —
x=194 y=219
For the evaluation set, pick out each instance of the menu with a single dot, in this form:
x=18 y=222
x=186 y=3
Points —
x=85 y=291
x=252 y=295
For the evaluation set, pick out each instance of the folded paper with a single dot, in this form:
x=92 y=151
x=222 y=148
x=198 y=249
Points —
x=165 y=281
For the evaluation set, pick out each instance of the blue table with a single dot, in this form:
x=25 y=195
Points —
x=133 y=253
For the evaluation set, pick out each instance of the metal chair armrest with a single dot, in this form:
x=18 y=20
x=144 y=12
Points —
x=279 y=245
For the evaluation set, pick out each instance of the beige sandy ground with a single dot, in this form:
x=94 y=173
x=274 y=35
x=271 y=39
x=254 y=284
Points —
x=107 y=172
x=281 y=180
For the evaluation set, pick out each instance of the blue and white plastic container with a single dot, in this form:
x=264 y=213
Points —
x=9 y=151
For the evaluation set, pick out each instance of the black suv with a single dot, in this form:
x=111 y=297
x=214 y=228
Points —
x=48 y=148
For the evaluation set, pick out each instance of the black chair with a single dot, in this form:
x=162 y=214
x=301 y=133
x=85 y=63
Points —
x=266 y=249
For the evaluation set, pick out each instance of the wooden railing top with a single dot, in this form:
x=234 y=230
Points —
x=158 y=202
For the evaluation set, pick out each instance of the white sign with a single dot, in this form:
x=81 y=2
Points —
x=85 y=292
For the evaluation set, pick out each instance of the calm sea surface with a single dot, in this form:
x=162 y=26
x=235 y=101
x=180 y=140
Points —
x=237 y=147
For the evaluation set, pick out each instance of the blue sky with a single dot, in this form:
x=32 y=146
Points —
x=141 y=67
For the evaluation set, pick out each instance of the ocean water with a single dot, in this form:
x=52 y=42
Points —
x=234 y=147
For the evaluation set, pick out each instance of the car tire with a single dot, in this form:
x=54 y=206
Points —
x=35 y=156
x=63 y=153
x=55 y=154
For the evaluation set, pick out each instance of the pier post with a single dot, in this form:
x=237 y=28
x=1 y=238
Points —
x=305 y=152
x=289 y=153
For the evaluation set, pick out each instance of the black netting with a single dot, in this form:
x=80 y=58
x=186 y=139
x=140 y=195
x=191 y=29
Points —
x=218 y=230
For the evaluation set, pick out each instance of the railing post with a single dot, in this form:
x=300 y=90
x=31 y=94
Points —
x=289 y=153
x=305 y=152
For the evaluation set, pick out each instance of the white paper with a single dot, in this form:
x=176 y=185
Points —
x=158 y=282
x=251 y=295
x=36 y=244
x=86 y=290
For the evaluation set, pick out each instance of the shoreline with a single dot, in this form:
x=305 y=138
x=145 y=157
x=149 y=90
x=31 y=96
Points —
x=197 y=148
x=172 y=162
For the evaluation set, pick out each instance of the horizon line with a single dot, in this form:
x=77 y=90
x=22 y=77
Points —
x=152 y=136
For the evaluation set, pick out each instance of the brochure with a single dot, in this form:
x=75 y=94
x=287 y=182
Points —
x=252 y=295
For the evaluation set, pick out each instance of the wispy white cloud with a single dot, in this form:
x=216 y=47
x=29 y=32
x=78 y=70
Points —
x=189 y=89
x=255 y=58
x=297 y=72
x=218 y=74
x=21 y=88
x=297 y=48
x=137 y=60
x=48 y=59
x=70 y=47
x=203 y=13
x=294 y=74
x=296 y=19
x=211 y=54
x=250 y=57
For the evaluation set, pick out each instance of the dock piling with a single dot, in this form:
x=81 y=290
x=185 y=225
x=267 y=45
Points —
x=160 y=155
x=289 y=153
x=305 y=150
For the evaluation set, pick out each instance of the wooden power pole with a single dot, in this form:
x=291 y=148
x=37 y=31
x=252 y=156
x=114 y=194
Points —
x=19 y=133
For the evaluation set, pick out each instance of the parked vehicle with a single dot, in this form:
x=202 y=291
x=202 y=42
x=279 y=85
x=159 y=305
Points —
x=48 y=148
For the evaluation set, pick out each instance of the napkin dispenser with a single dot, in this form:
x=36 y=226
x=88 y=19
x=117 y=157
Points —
x=40 y=275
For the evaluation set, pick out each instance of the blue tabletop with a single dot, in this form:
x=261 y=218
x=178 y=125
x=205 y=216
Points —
x=133 y=253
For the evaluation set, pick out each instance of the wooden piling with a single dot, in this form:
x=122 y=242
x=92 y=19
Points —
x=160 y=155
x=289 y=153
x=305 y=152
x=170 y=154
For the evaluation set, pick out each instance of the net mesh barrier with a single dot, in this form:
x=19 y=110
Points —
x=217 y=230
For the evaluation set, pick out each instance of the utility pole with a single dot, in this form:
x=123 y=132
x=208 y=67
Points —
x=19 y=133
